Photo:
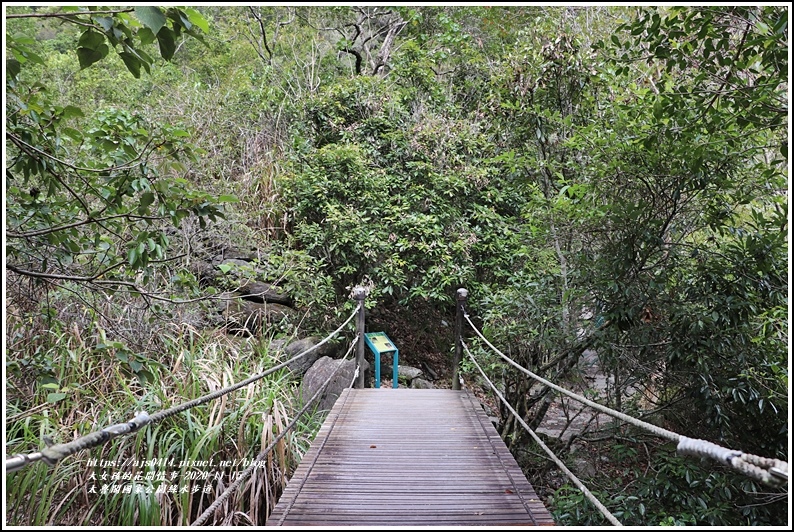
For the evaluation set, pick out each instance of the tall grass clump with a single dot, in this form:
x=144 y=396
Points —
x=67 y=379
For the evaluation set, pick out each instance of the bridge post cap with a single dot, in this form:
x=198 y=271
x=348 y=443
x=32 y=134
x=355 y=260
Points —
x=462 y=293
x=359 y=293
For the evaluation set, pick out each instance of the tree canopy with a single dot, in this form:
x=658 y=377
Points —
x=599 y=178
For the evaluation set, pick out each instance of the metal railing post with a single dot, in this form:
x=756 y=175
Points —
x=360 y=294
x=462 y=294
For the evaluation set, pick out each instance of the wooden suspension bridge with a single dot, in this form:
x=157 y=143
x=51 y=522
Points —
x=406 y=457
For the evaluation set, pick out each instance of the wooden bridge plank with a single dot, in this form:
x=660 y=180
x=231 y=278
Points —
x=408 y=457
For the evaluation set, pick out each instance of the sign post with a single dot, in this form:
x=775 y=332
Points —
x=380 y=344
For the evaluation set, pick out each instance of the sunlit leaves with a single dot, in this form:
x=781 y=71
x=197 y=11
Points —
x=151 y=17
x=197 y=19
x=87 y=192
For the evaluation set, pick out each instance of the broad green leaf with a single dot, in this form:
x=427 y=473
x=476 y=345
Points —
x=225 y=268
x=146 y=36
x=132 y=257
x=72 y=133
x=146 y=59
x=24 y=54
x=105 y=22
x=147 y=198
x=657 y=109
x=197 y=19
x=70 y=110
x=88 y=56
x=21 y=38
x=167 y=45
x=55 y=397
x=181 y=18
x=228 y=198
x=133 y=63
x=12 y=67
x=91 y=39
x=151 y=17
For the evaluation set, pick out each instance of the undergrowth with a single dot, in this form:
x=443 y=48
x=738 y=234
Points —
x=65 y=382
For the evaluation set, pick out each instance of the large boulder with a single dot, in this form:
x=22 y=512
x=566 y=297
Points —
x=259 y=292
x=405 y=374
x=322 y=369
x=422 y=384
x=243 y=275
x=408 y=372
x=247 y=317
x=300 y=366
x=209 y=272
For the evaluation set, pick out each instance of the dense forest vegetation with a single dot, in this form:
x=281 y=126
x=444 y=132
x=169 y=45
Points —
x=605 y=178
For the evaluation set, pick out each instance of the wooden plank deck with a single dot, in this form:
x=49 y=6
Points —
x=403 y=457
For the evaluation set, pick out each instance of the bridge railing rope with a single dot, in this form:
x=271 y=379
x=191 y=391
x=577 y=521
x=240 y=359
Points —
x=587 y=493
x=770 y=471
x=52 y=454
x=291 y=503
x=243 y=475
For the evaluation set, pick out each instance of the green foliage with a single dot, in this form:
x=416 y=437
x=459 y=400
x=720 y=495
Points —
x=697 y=256
x=630 y=197
x=743 y=61
x=404 y=202
x=87 y=389
x=673 y=491
x=89 y=198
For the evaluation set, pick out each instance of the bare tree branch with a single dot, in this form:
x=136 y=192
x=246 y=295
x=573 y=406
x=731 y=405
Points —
x=40 y=232
x=61 y=276
x=66 y=15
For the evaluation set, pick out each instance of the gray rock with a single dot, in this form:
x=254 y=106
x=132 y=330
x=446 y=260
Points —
x=205 y=272
x=236 y=263
x=234 y=253
x=408 y=373
x=422 y=384
x=264 y=293
x=277 y=344
x=320 y=371
x=583 y=467
x=247 y=317
x=300 y=366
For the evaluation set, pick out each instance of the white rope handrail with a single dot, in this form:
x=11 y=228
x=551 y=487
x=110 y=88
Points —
x=247 y=471
x=770 y=471
x=587 y=493
x=52 y=454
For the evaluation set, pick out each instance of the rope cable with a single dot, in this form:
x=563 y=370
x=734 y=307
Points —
x=317 y=454
x=209 y=397
x=601 y=508
x=247 y=471
x=52 y=454
x=769 y=471
x=620 y=415
x=516 y=489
